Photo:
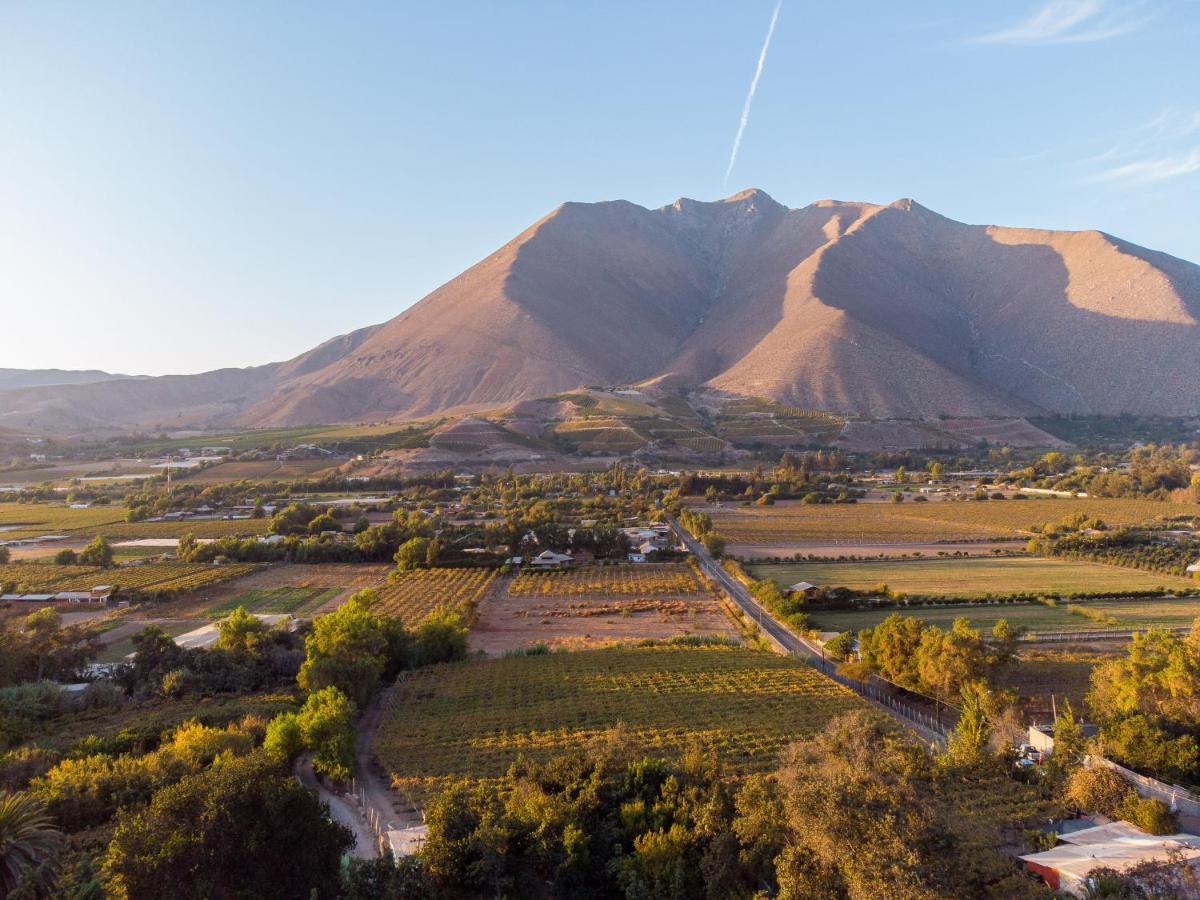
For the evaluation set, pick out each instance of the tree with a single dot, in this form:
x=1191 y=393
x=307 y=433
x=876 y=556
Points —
x=901 y=475
x=949 y=660
x=1069 y=744
x=29 y=839
x=890 y=648
x=387 y=877
x=66 y=558
x=347 y=649
x=241 y=632
x=284 y=740
x=411 y=553
x=240 y=828
x=440 y=637
x=98 y=552
x=322 y=523
x=1097 y=790
x=5 y=556
x=187 y=547
x=1150 y=814
x=293 y=518
x=968 y=743
x=935 y=470
x=327 y=730
x=714 y=544
x=433 y=552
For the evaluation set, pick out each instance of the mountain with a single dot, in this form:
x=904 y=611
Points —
x=880 y=311
x=22 y=378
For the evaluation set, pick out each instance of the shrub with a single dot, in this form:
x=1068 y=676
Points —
x=1149 y=814
x=1099 y=790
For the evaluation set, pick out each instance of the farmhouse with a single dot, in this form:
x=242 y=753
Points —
x=1041 y=737
x=1118 y=846
x=808 y=589
x=1194 y=567
x=548 y=559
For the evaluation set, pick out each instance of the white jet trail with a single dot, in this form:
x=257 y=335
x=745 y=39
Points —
x=762 y=58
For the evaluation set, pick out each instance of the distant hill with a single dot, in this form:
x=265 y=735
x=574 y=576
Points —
x=23 y=378
x=877 y=311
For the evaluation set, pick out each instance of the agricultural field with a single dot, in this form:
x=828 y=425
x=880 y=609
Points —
x=261 y=470
x=473 y=719
x=794 y=523
x=150 y=579
x=341 y=579
x=1061 y=673
x=646 y=580
x=1091 y=615
x=298 y=601
x=412 y=596
x=22 y=520
x=969 y=578
x=201 y=528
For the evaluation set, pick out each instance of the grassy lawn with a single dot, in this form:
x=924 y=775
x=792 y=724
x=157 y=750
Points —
x=295 y=600
x=473 y=719
x=1127 y=613
x=973 y=577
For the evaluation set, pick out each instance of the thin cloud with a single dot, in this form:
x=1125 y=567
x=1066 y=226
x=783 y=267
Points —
x=1150 y=171
x=758 y=70
x=1158 y=150
x=1067 y=22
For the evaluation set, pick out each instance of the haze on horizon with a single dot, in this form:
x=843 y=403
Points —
x=187 y=189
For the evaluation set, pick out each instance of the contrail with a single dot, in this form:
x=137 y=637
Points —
x=762 y=58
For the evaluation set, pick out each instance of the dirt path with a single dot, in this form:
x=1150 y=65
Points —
x=394 y=811
x=343 y=811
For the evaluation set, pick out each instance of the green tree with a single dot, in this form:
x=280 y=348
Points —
x=5 y=556
x=440 y=637
x=411 y=554
x=715 y=544
x=284 y=741
x=327 y=730
x=1070 y=746
x=293 y=518
x=187 y=547
x=322 y=523
x=348 y=649
x=1097 y=790
x=890 y=648
x=240 y=828
x=968 y=743
x=29 y=839
x=98 y=552
x=66 y=558
x=241 y=632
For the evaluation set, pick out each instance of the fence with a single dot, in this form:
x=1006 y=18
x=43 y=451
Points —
x=1176 y=797
x=359 y=795
x=935 y=722
x=1038 y=637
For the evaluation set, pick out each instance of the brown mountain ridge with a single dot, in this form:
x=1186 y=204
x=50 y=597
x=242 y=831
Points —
x=878 y=311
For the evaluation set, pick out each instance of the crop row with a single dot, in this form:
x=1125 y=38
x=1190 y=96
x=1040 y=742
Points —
x=412 y=596
x=657 y=580
x=475 y=718
x=153 y=578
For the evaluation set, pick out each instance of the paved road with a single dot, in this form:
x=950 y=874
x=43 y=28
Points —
x=342 y=810
x=787 y=640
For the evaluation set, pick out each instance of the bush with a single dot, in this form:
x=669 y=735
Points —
x=1099 y=790
x=1149 y=814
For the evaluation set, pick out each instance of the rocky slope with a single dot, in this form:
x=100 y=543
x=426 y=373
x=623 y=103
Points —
x=883 y=311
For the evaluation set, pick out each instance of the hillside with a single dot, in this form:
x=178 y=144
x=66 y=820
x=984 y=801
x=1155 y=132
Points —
x=852 y=308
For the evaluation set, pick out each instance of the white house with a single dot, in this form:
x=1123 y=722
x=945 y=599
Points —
x=1194 y=567
x=637 y=557
x=548 y=559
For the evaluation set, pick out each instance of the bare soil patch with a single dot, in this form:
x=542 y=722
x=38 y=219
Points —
x=507 y=622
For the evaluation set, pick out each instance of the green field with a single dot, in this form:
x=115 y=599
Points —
x=1128 y=614
x=473 y=719
x=294 y=600
x=933 y=521
x=973 y=577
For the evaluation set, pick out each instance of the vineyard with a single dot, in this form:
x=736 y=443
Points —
x=23 y=520
x=412 y=596
x=646 y=580
x=151 y=579
x=473 y=719
x=939 y=520
x=974 y=577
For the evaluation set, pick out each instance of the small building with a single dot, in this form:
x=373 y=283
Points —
x=1194 y=567
x=1041 y=737
x=648 y=548
x=1117 y=845
x=637 y=557
x=549 y=559
x=807 y=588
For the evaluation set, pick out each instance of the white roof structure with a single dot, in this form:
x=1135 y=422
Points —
x=1194 y=567
x=1118 y=846
x=803 y=586
x=407 y=841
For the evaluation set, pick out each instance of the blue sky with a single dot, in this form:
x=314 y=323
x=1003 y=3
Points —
x=189 y=186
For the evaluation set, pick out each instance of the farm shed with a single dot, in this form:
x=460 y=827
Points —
x=1118 y=846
